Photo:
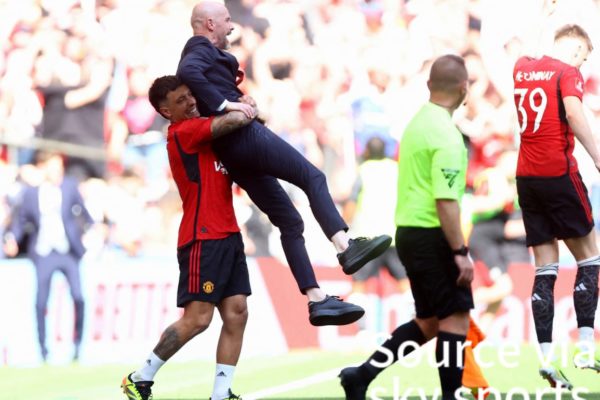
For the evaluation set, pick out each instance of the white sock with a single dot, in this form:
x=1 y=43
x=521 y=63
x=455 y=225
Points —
x=149 y=369
x=586 y=339
x=547 y=354
x=223 y=380
x=586 y=334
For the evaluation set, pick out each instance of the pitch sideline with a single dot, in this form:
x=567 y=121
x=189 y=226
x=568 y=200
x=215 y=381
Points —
x=294 y=385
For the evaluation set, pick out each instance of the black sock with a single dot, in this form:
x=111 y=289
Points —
x=542 y=301
x=449 y=352
x=585 y=292
x=409 y=331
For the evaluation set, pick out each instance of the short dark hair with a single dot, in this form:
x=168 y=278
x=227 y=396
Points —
x=375 y=149
x=576 y=31
x=161 y=87
x=447 y=73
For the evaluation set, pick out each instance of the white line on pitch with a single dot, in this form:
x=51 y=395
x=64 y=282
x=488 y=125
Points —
x=299 y=384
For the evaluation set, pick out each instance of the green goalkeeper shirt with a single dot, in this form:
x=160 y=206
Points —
x=432 y=165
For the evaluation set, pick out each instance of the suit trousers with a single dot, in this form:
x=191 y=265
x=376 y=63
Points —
x=45 y=267
x=255 y=158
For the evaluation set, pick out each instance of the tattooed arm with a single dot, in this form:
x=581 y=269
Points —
x=227 y=123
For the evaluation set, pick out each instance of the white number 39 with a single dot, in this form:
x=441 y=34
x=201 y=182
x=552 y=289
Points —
x=537 y=102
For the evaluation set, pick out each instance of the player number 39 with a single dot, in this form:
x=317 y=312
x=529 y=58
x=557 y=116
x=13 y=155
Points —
x=537 y=100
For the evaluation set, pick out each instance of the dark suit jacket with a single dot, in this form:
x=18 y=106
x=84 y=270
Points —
x=210 y=73
x=75 y=217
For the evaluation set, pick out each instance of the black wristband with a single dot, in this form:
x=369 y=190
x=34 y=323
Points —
x=463 y=251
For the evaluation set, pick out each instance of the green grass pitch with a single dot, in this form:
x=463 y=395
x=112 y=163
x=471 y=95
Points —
x=297 y=375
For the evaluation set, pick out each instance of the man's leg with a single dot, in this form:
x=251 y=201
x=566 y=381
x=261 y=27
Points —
x=196 y=318
x=585 y=296
x=258 y=149
x=71 y=270
x=234 y=313
x=542 y=307
x=542 y=297
x=44 y=270
x=409 y=336
x=449 y=352
x=268 y=195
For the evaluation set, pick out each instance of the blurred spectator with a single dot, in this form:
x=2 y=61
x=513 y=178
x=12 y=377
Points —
x=73 y=73
x=370 y=209
x=138 y=135
x=372 y=111
x=54 y=217
x=497 y=238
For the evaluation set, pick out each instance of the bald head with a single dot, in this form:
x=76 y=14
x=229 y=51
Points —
x=211 y=19
x=448 y=73
x=448 y=81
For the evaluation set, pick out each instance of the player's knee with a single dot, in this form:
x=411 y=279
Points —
x=200 y=322
x=292 y=226
x=78 y=300
x=236 y=316
x=429 y=327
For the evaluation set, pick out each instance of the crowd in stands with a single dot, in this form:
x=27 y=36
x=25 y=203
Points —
x=328 y=74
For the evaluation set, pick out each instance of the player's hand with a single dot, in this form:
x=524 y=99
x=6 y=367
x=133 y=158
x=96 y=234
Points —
x=249 y=111
x=465 y=270
x=10 y=247
x=248 y=100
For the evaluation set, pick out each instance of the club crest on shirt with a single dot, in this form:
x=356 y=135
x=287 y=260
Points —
x=219 y=167
x=450 y=175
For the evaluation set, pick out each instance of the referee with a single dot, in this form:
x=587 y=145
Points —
x=429 y=240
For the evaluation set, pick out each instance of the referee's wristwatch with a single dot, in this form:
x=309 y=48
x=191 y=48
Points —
x=463 y=251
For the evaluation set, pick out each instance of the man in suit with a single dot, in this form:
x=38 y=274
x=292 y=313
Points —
x=257 y=157
x=54 y=217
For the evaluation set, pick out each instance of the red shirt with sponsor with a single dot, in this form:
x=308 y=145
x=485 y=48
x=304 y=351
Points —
x=547 y=141
x=202 y=181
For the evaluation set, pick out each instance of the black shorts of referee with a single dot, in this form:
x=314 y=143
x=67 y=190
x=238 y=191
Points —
x=432 y=272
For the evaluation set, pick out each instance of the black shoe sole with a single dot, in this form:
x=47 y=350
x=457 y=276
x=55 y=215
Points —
x=335 y=318
x=380 y=245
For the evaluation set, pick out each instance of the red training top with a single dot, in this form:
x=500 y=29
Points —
x=547 y=141
x=202 y=181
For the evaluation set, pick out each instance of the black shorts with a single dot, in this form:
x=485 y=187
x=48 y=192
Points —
x=554 y=208
x=388 y=260
x=432 y=272
x=210 y=270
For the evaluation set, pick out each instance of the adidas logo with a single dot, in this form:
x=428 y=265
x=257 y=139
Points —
x=535 y=297
x=450 y=175
x=580 y=288
x=148 y=362
x=221 y=374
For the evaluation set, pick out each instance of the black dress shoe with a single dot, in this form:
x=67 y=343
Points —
x=362 y=250
x=333 y=311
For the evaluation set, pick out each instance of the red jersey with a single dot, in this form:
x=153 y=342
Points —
x=202 y=181
x=547 y=141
